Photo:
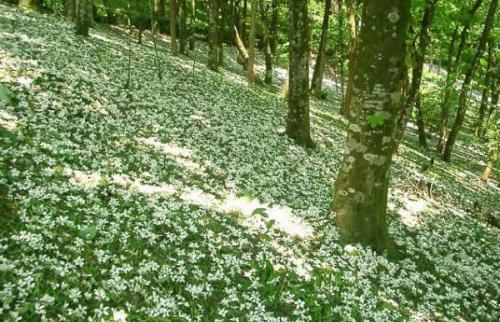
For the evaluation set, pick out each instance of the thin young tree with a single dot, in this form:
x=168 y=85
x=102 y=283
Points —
x=173 y=28
x=268 y=55
x=423 y=44
x=83 y=17
x=451 y=71
x=213 y=36
x=273 y=30
x=486 y=93
x=251 y=44
x=298 y=125
x=182 y=26
x=360 y=198
x=351 y=18
x=462 y=100
x=317 y=78
x=69 y=10
x=155 y=17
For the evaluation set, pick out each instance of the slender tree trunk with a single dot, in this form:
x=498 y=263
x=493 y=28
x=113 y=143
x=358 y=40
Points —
x=486 y=88
x=243 y=30
x=422 y=137
x=351 y=15
x=317 y=78
x=297 y=122
x=182 y=26
x=173 y=28
x=83 y=17
x=155 y=17
x=221 y=23
x=251 y=44
x=360 y=199
x=423 y=44
x=29 y=4
x=495 y=91
x=213 y=41
x=450 y=77
x=274 y=26
x=340 y=17
x=462 y=106
x=192 y=25
x=69 y=10
x=268 y=55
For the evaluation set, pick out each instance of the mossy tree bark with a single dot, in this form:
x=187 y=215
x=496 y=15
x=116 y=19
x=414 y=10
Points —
x=173 y=28
x=360 y=198
x=213 y=39
x=297 y=122
x=251 y=44
x=462 y=100
x=351 y=18
x=317 y=78
x=83 y=17
x=69 y=10
x=486 y=87
x=423 y=44
x=268 y=55
x=451 y=77
x=422 y=136
x=182 y=26
x=29 y=4
x=273 y=30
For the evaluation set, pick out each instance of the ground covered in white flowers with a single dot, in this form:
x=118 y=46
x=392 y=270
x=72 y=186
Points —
x=178 y=199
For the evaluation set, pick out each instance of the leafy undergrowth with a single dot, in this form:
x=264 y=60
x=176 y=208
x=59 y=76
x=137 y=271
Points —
x=178 y=199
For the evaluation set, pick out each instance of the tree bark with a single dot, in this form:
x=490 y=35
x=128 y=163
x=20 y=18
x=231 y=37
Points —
x=317 y=78
x=29 y=4
x=182 y=26
x=192 y=25
x=462 y=106
x=69 y=10
x=173 y=28
x=251 y=43
x=297 y=122
x=360 y=198
x=422 y=137
x=450 y=77
x=495 y=91
x=274 y=26
x=213 y=41
x=423 y=44
x=268 y=55
x=155 y=17
x=486 y=88
x=340 y=17
x=351 y=16
x=83 y=17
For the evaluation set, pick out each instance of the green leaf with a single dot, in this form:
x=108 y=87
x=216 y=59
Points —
x=5 y=94
x=376 y=120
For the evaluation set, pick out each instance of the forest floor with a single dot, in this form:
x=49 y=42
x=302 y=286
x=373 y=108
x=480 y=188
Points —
x=179 y=200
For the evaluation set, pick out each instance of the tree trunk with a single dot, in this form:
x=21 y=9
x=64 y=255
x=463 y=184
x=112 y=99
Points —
x=450 y=77
x=213 y=41
x=192 y=25
x=268 y=55
x=495 y=91
x=29 y=4
x=83 y=17
x=360 y=199
x=317 y=78
x=423 y=44
x=340 y=17
x=221 y=17
x=274 y=26
x=422 y=137
x=351 y=15
x=155 y=17
x=251 y=44
x=173 y=28
x=182 y=26
x=486 y=88
x=297 y=122
x=69 y=10
x=462 y=106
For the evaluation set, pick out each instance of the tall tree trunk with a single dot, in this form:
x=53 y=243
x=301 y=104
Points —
x=83 y=17
x=182 y=26
x=360 y=199
x=462 y=106
x=340 y=17
x=422 y=137
x=317 y=78
x=221 y=31
x=297 y=122
x=251 y=44
x=29 y=4
x=213 y=41
x=274 y=26
x=268 y=55
x=155 y=17
x=69 y=10
x=495 y=91
x=173 y=28
x=423 y=44
x=192 y=25
x=351 y=15
x=450 y=77
x=486 y=87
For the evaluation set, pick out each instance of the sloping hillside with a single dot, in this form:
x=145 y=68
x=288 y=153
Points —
x=179 y=199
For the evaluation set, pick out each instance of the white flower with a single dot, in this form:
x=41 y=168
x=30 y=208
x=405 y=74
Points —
x=119 y=316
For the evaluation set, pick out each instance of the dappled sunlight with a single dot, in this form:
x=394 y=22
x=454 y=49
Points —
x=411 y=211
x=8 y=121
